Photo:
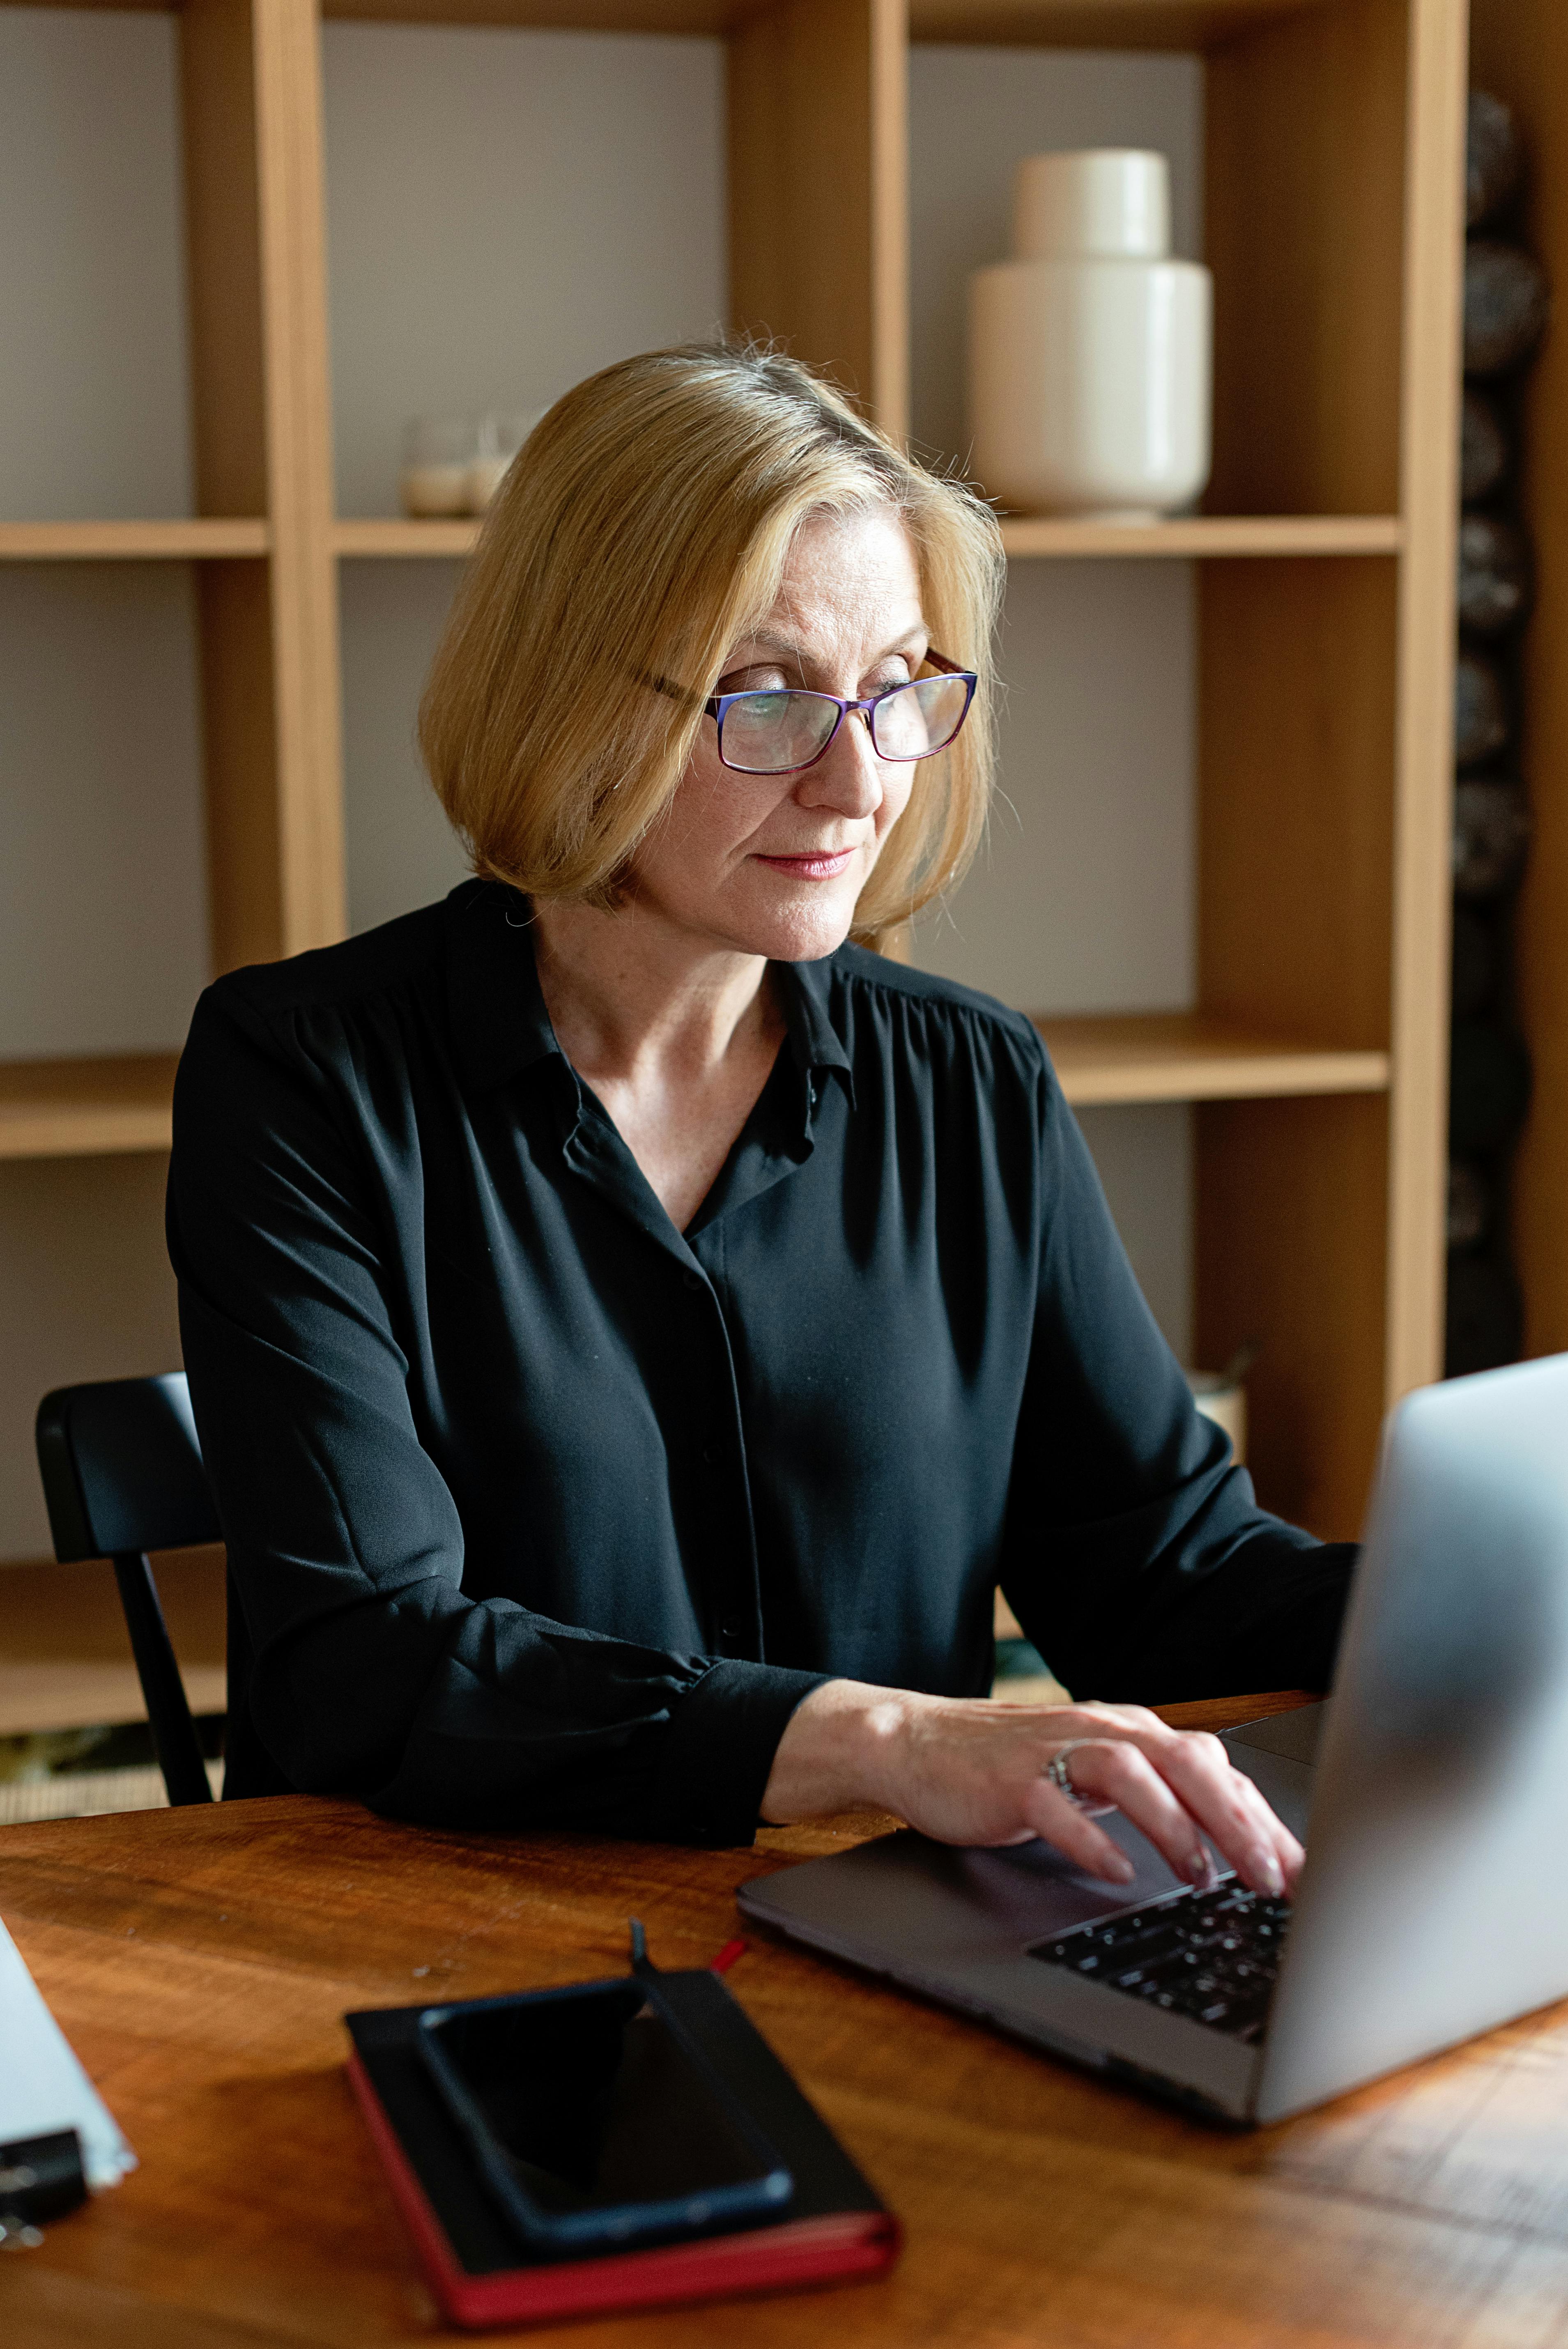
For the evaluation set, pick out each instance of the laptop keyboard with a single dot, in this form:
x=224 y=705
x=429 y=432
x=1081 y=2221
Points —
x=1211 y=1956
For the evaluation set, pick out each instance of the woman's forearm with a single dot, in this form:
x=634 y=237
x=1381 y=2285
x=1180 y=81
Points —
x=837 y=1752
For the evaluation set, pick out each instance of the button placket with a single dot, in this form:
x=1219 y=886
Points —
x=731 y=1579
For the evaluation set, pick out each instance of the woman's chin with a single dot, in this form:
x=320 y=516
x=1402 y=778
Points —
x=804 y=921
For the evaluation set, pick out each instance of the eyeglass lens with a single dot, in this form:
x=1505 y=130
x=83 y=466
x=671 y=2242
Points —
x=769 y=733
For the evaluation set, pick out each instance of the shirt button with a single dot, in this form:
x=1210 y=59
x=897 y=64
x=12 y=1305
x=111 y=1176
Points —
x=692 y=1279
x=730 y=1632
x=712 y=1453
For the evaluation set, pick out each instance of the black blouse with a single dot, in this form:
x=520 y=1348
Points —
x=540 y=1511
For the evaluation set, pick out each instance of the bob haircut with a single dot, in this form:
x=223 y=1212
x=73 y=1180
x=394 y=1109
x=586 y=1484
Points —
x=641 y=530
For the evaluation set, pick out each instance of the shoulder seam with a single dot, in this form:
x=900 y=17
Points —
x=265 y=990
x=970 y=1002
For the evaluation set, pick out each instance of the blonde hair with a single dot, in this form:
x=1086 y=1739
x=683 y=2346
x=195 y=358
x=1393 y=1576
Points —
x=641 y=531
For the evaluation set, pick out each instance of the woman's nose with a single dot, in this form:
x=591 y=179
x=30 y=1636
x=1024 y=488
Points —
x=849 y=778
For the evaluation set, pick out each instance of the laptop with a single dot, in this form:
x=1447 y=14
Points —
x=1431 y=1792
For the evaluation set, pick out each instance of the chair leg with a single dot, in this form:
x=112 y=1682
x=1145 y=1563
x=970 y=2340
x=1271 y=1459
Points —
x=173 y=1731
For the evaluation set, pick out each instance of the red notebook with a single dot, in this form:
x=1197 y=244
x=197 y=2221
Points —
x=833 y=2226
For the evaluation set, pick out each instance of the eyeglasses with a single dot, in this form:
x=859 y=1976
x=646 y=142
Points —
x=781 y=729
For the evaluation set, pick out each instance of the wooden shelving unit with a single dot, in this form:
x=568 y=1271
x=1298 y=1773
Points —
x=1205 y=535
x=1199 y=535
x=1187 y=1056
x=1334 y=148
x=131 y=542
x=372 y=536
x=83 y=1109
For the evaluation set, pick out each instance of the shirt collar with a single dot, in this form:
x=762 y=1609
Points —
x=500 y=1025
x=806 y=993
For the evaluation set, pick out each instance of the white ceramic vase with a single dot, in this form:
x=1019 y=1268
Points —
x=1090 y=350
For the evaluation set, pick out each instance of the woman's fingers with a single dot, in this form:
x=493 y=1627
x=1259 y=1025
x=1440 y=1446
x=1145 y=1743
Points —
x=1053 y=1815
x=1176 y=1787
x=1229 y=1809
x=1114 y=1770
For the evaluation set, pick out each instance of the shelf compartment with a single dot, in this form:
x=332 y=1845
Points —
x=1189 y=1056
x=132 y=541
x=373 y=536
x=84 y=1109
x=1201 y=534
x=1054 y=24
x=1208 y=535
x=1093 y=24
x=706 y=17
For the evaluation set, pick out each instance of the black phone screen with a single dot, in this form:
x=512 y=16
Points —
x=594 y=2103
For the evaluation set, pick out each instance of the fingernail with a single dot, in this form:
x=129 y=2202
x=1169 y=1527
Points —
x=1265 y=1869
x=1116 y=1867
x=1199 y=1868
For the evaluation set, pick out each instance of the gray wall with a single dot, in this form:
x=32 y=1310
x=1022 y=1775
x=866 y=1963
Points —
x=507 y=211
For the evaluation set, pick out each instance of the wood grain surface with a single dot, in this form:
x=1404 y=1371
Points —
x=81 y=1108
x=201 y=1961
x=817 y=170
x=1437 y=65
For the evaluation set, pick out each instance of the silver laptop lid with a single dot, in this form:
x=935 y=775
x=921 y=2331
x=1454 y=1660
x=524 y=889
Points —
x=1434 y=1898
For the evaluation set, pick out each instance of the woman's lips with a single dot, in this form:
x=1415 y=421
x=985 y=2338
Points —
x=815 y=865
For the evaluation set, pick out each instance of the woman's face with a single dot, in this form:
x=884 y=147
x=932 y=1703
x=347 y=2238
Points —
x=773 y=864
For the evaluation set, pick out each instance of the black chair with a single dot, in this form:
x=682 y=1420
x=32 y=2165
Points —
x=122 y=1476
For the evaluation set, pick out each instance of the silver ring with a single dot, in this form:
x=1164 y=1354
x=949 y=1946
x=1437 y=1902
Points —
x=1056 y=1771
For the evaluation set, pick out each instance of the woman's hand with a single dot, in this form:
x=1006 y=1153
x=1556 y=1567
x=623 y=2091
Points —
x=965 y=1771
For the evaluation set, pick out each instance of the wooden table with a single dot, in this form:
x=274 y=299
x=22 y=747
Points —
x=200 y=1962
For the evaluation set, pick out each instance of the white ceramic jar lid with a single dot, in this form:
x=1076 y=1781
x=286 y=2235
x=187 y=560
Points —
x=1102 y=202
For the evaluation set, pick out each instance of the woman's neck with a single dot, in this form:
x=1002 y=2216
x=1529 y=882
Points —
x=676 y=1039
x=629 y=995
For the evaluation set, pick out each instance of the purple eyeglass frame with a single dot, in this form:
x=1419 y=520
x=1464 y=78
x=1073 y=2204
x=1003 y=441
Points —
x=716 y=706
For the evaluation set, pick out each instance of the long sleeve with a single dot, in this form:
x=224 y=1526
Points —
x=374 y=1671
x=1136 y=1557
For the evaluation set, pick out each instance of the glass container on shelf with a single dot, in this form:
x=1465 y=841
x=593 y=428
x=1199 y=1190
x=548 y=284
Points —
x=500 y=437
x=439 y=456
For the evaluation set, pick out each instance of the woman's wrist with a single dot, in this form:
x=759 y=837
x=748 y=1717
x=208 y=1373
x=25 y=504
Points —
x=839 y=1752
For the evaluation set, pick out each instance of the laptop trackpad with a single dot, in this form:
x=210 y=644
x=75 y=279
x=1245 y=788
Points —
x=1034 y=1890
x=1276 y=1755
x=1295 y=1735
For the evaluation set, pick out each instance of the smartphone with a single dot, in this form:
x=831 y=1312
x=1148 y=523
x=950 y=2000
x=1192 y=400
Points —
x=595 y=2120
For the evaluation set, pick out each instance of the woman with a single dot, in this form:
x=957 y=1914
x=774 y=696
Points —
x=632 y=1331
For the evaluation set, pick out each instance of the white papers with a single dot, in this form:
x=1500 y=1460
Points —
x=43 y=2088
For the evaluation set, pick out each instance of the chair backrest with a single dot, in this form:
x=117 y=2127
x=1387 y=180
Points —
x=122 y=1476
x=123 y=1468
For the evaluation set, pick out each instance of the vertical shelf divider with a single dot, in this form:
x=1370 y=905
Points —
x=256 y=240
x=818 y=152
x=1423 y=821
x=228 y=407
x=1334 y=170
x=292 y=178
